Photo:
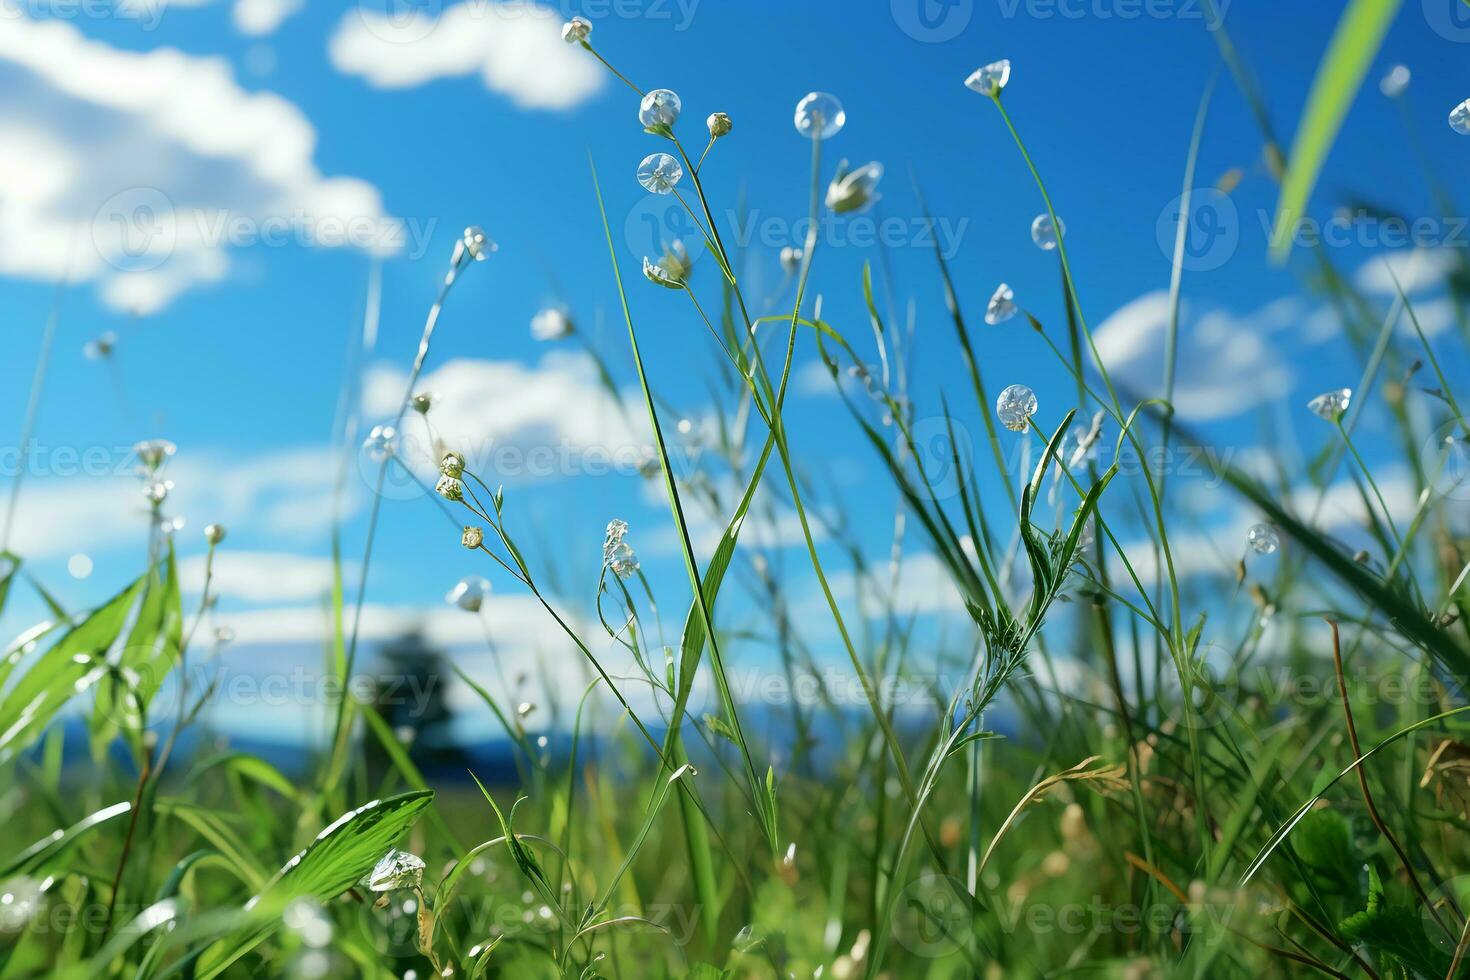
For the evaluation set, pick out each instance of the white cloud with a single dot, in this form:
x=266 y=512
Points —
x=136 y=170
x=253 y=576
x=94 y=508
x=515 y=47
x=1418 y=271
x=1226 y=364
x=257 y=18
x=515 y=422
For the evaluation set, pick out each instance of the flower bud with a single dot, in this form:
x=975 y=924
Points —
x=719 y=125
x=473 y=537
x=452 y=465
x=577 y=30
x=214 y=534
x=449 y=488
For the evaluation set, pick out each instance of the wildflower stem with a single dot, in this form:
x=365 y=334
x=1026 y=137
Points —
x=608 y=65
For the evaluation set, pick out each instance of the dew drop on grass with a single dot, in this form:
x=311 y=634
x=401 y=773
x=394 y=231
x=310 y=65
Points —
x=1002 y=305
x=1044 y=233
x=1460 y=118
x=396 y=869
x=1263 y=539
x=820 y=116
x=1015 y=406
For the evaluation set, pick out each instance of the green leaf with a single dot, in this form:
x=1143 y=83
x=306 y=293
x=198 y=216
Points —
x=73 y=664
x=53 y=844
x=1359 y=34
x=346 y=850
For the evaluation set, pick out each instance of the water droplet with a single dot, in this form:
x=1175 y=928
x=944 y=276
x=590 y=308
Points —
x=381 y=443
x=660 y=173
x=1331 y=405
x=1395 y=82
x=820 y=116
x=1460 y=118
x=1002 y=305
x=1015 y=406
x=470 y=594
x=1263 y=539
x=991 y=79
x=396 y=869
x=659 y=108
x=1044 y=234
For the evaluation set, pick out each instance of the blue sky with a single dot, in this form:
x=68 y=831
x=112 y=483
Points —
x=239 y=353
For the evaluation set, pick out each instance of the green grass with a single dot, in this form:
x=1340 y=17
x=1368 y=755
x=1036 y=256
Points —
x=1264 y=777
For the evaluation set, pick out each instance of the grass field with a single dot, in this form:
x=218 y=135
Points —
x=1111 y=771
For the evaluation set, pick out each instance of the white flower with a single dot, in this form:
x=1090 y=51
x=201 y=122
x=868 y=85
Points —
x=577 y=30
x=672 y=270
x=854 y=190
x=551 y=323
x=1015 y=406
x=991 y=79
x=452 y=465
x=477 y=244
x=1396 y=82
x=660 y=173
x=469 y=594
x=1331 y=405
x=791 y=257
x=617 y=555
x=659 y=109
